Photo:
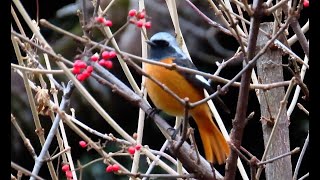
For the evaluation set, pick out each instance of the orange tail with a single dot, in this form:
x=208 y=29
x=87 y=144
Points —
x=215 y=146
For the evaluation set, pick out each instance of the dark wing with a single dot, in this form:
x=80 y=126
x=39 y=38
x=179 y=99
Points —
x=198 y=80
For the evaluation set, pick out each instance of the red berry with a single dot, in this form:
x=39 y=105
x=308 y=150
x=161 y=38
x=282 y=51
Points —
x=69 y=174
x=306 y=3
x=108 y=23
x=75 y=70
x=95 y=57
x=79 y=64
x=65 y=168
x=89 y=69
x=108 y=64
x=131 y=150
x=109 y=168
x=100 y=19
x=141 y=15
x=132 y=12
x=81 y=77
x=138 y=147
x=86 y=74
x=139 y=23
x=83 y=144
x=105 y=55
x=115 y=167
x=112 y=54
x=101 y=62
x=147 y=25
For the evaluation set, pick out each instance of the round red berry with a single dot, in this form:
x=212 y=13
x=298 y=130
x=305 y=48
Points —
x=95 y=57
x=105 y=55
x=89 y=69
x=101 y=62
x=83 y=144
x=108 y=23
x=65 y=168
x=115 y=167
x=69 y=174
x=138 y=147
x=81 y=77
x=76 y=70
x=109 y=168
x=147 y=25
x=306 y=3
x=100 y=19
x=112 y=54
x=108 y=64
x=131 y=150
x=79 y=64
x=139 y=23
x=132 y=12
x=141 y=15
x=86 y=74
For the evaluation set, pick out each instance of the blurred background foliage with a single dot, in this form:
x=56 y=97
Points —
x=206 y=46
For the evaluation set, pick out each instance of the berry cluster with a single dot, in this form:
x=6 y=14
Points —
x=83 y=71
x=66 y=169
x=106 y=56
x=138 y=18
x=78 y=66
x=132 y=149
x=102 y=20
x=113 y=168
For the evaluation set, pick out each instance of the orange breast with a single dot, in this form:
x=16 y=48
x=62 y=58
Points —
x=176 y=83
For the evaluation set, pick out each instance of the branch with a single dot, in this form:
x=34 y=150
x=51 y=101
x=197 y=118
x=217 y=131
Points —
x=64 y=103
x=296 y=170
x=25 y=171
x=240 y=117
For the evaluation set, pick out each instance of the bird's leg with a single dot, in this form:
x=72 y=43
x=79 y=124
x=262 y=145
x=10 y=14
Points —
x=213 y=171
x=185 y=124
x=193 y=143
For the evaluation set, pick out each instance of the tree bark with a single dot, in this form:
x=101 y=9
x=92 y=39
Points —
x=269 y=70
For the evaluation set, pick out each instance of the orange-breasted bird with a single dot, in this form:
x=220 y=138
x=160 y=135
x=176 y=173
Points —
x=164 y=48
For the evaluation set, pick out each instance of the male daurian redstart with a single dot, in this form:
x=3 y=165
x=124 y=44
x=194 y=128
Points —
x=164 y=48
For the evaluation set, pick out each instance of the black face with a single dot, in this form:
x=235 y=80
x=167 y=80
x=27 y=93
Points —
x=160 y=49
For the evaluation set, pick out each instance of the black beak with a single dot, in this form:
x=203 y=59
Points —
x=150 y=43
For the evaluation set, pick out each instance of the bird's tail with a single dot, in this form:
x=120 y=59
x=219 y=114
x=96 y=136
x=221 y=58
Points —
x=215 y=146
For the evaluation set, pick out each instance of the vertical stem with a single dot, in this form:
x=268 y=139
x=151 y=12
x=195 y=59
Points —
x=242 y=103
x=269 y=70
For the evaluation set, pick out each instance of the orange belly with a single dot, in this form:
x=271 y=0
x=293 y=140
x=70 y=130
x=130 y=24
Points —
x=176 y=83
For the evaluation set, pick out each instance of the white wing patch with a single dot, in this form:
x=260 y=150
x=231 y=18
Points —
x=202 y=79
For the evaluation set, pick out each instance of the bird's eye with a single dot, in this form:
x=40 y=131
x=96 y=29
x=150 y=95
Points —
x=161 y=43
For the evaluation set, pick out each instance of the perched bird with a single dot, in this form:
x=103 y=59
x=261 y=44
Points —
x=164 y=48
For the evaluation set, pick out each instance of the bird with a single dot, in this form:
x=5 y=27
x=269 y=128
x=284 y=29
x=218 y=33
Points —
x=164 y=48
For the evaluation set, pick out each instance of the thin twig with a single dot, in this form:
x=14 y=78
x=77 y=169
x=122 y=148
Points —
x=295 y=150
x=25 y=171
x=26 y=141
x=302 y=108
x=276 y=6
x=207 y=19
x=304 y=176
x=296 y=170
x=160 y=176
x=34 y=70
